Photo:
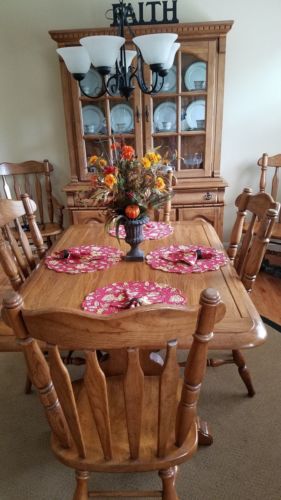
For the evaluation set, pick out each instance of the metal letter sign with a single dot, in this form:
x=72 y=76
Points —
x=169 y=14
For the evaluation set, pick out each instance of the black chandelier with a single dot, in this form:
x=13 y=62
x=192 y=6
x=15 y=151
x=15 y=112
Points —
x=109 y=56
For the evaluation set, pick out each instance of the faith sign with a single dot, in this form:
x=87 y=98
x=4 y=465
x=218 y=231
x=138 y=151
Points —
x=154 y=12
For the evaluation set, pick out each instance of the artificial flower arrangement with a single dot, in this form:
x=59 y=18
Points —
x=129 y=187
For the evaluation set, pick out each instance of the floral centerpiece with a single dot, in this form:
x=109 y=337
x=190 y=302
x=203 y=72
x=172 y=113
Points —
x=129 y=188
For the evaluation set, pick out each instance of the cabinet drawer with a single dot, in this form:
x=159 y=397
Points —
x=198 y=197
x=88 y=216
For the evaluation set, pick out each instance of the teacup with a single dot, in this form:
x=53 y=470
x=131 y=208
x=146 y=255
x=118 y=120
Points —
x=121 y=127
x=166 y=125
x=200 y=123
x=199 y=84
x=89 y=129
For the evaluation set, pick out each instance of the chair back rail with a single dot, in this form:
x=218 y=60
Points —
x=16 y=256
x=273 y=163
x=149 y=327
x=247 y=260
x=32 y=177
x=165 y=212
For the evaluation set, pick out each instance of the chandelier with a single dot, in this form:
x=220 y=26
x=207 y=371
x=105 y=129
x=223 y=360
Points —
x=109 y=56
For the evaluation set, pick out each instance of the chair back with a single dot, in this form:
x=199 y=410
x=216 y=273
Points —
x=165 y=212
x=263 y=209
x=272 y=163
x=32 y=177
x=16 y=255
x=126 y=333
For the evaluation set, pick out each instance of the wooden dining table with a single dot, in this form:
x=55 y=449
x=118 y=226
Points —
x=241 y=326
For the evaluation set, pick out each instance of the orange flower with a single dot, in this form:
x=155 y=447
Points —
x=93 y=159
x=110 y=180
x=160 y=184
x=102 y=162
x=127 y=152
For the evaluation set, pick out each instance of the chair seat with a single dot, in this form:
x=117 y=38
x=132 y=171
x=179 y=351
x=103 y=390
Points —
x=121 y=462
x=276 y=232
x=50 y=229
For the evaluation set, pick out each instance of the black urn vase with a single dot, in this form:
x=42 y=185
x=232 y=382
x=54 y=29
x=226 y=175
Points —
x=134 y=236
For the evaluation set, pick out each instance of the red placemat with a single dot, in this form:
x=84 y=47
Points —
x=123 y=295
x=83 y=259
x=151 y=231
x=186 y=259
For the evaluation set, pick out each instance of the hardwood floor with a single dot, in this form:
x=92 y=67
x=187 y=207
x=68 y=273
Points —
x=267 y=296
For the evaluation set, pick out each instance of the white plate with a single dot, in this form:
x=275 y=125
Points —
x=92 y=83
x=122 y=118
x=92 y=117
x=195 y=111
x=170 y=81
x=195 y=72
x=165 y=117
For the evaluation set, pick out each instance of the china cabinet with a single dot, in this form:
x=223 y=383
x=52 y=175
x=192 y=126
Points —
x=184 y=120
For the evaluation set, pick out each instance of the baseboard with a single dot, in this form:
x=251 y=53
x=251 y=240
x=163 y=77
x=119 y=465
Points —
x=274 y=325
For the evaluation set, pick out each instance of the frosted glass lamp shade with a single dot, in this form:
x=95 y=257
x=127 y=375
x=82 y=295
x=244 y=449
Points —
x=169 y=63
x=155 y=48
x=130 y=54
x=103 y=50
x=76 y=59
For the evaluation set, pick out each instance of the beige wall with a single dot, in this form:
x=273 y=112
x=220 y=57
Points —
x=31 y=108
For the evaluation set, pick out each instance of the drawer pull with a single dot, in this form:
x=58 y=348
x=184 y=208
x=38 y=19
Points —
x=208 y=196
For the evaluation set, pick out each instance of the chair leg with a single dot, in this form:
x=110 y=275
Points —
x=168 y=477
x=28 y=385
x=81 y=492
x=244 y=373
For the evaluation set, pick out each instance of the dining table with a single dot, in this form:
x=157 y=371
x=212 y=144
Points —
x=241 y=327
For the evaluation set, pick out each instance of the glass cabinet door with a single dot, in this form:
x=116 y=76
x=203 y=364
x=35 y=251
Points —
x=107 y=119
x=179 y=120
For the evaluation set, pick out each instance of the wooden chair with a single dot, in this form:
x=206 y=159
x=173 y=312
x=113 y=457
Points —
x=17 y=257
x=165 y=212
x=132 y=421
x=272 y=163
x=27 y=177
x=246 y=251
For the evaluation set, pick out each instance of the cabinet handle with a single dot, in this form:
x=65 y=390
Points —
x=208 y=196
x=137 y=114
x=146 y=113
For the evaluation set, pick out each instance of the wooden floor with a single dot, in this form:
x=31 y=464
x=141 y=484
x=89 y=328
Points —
x=266 y=295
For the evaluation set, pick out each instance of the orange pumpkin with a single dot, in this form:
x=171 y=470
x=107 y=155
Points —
x=132 y=211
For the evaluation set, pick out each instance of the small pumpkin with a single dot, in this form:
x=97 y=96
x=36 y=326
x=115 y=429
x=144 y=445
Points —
x=132 y=211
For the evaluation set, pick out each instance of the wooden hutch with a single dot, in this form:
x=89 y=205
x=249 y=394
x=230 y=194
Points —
x=200 y=189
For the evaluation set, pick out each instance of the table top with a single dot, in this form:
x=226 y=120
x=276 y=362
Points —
x=241 y=327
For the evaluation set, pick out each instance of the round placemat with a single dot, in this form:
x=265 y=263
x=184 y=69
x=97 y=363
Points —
x=123 y=295
x=151 y=231
x=186 y=259
x=83 y=259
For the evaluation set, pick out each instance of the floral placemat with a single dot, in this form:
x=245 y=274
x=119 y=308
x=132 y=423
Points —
x=151 y=231
x=186 y=259
x=124 y=295
x=83 y=259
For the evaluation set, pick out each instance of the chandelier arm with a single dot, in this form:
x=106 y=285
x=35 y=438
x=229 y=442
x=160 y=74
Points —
x=137 y=73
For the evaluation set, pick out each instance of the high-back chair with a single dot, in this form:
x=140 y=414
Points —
x=131 y=422
x=16 y=254
x=18 y=257
x=164 y=213
x=270 y=166
x=246 y=251
x=34 y=178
